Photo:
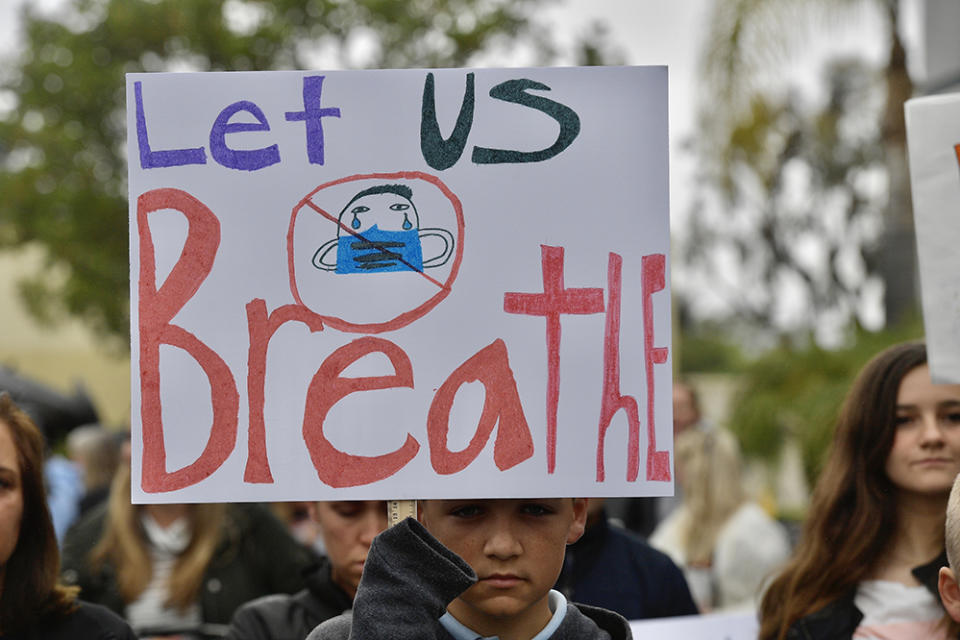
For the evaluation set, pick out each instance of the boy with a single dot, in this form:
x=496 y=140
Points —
x=472 y=569
x=949 y=590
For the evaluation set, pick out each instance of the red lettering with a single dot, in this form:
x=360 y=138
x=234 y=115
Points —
x=612 y=401
x=261 y=328
x=334 y=467
x=156 y=310
x=501 y=404
x=653 y=267
x=554 y=301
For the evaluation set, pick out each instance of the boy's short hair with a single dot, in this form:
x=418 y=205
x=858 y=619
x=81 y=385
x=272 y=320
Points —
x=952 y=529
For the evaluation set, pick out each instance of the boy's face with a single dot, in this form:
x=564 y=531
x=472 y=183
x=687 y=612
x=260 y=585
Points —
x=516 y=547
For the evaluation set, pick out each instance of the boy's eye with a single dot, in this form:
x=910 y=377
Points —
x=360 y=209
x=953 y=417
x=467 y=511
x=535 y=509
x=399 y=206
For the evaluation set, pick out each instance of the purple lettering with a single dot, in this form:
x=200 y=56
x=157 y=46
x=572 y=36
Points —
x=234 y=158
x=312 y=114
x=150 y=159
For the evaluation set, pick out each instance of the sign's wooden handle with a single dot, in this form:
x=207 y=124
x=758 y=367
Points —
x=397 y=510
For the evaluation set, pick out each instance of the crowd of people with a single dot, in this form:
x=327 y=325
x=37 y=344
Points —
x=878 y=555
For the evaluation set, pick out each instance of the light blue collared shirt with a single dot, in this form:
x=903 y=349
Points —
x=558 y=604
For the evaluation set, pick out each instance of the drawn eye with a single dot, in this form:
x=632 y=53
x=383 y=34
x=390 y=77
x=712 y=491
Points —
x=400 y=206
x=359 y=209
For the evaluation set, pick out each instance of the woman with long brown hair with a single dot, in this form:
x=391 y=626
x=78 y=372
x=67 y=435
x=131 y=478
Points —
x=866 y=564
x=33 y=604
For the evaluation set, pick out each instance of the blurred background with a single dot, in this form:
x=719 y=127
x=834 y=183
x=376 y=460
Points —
x=794 y=258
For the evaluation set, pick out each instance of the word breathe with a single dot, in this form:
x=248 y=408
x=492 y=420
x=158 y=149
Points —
x=439 y=152
x=336 y=468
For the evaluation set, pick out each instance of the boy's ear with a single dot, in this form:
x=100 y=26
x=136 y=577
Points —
x=579 y=522
x=949 y=592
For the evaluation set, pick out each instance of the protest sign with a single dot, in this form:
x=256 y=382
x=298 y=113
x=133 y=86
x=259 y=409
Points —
x=714 y=626
x=933 y=142
x=399 y=284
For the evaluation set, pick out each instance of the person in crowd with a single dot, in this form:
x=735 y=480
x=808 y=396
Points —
x=948 y=585
x=474 y=568
x=301 y=523
x=168 y=567
x=33 y=604
x=686 y=408
x=65 y=490
x=868 y=558
x=96 y=453
x=348 y=529
x=613 y=568
x=726 y=543
x=643 y=515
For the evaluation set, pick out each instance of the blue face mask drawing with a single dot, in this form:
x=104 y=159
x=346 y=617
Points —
x=380 y=250
x=379 y=231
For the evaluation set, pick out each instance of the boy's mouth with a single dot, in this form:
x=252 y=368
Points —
x=502 y=580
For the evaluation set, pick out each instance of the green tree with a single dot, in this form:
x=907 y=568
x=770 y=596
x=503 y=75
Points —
x=63 y=181
x=798 y=186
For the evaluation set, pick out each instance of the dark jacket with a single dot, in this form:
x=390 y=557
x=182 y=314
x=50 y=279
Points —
x=612 y=568
x=410 y=578
x=86 y=622
x=839 y=619
x=283 y=617
x=256 y=556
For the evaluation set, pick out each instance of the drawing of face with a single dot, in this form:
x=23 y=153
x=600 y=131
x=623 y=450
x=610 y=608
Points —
x=386 y=238
x=390 y=211
x=379 y=231
x=369 y=251
x=516 y=547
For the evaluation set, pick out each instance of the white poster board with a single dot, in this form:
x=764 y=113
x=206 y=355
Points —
x=399 y=284
x=714 y=626
x=933 y=143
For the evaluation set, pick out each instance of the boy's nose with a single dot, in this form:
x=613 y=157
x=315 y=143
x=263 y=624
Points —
x=503 y=544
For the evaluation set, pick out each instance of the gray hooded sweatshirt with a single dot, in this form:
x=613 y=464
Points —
x=409 y=578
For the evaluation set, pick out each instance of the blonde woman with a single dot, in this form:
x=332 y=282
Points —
x=726 y=544
x=169 y=567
